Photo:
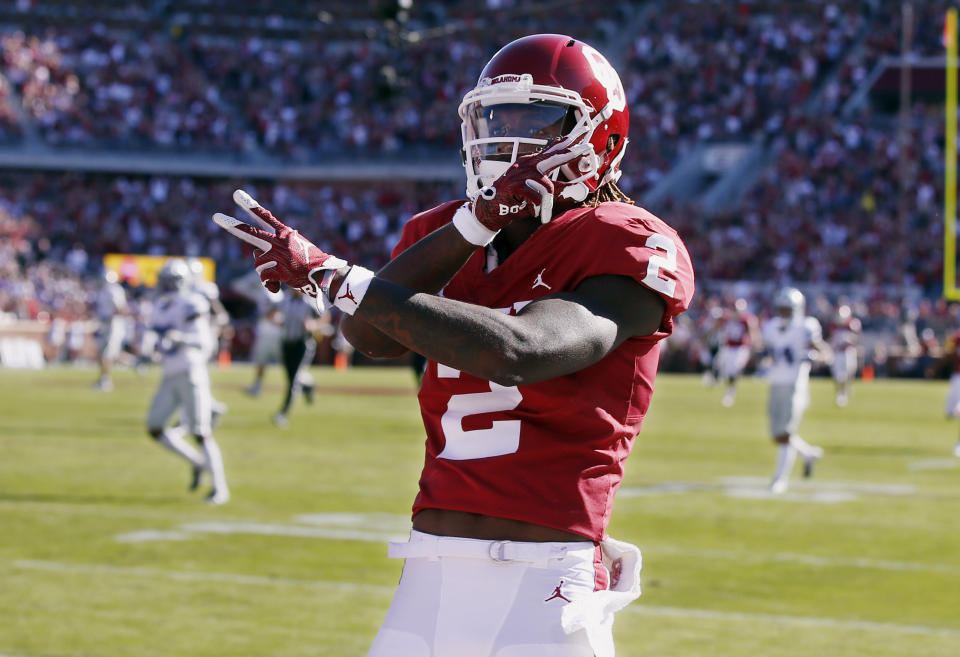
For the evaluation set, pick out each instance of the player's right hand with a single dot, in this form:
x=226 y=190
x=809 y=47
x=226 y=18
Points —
x=525 y=189
x=282 y=254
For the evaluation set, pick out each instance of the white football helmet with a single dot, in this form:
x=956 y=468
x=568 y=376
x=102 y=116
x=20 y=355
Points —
x=174 y=276
x=789 y=299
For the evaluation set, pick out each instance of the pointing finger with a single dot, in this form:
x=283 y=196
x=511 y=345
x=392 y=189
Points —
x=546 y=200
x=246 y=232
x=572 y=139
x=562 y=157
x=257 y=212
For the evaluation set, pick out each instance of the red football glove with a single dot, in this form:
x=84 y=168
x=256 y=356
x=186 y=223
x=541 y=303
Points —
x=525 y=189
x=283 y=255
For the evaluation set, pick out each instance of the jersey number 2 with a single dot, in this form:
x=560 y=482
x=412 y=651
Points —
x=666 y=262
x=503 y=437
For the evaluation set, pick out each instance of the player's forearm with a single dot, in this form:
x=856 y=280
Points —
x=427 y=266
x=477 y=340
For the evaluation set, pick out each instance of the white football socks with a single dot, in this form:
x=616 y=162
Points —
x=215 y=464
x=786 y=456
x=172 y=439
x=806 y=450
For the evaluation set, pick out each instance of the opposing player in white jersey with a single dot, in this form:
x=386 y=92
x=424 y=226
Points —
x=844 y=341
x=180 y=321
x=111 y=309
x=792 y=341
x=219 y=324
x=739 y=331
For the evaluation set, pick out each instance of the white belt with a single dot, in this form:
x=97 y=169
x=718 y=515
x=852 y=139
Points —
x=427 y=546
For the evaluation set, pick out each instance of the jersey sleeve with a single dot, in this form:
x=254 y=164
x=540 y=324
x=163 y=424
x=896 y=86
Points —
x=629 y=241
x=814 y=331
x=424 y=223
x=197 y=305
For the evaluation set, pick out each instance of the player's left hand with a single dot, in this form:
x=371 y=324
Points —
x=283 y=255
x=526 y=188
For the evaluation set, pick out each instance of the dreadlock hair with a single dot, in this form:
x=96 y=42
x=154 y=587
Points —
x=609 y=193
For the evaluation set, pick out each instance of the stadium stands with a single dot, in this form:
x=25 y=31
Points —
x=819 y=200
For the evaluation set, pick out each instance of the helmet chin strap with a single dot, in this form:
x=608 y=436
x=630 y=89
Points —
x=576 y=192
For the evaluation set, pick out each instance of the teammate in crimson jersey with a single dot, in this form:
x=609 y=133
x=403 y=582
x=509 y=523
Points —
x=739 y=331
x=844 y=334
x=539 y=303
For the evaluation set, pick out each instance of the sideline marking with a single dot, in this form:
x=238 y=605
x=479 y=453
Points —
x=351 y=587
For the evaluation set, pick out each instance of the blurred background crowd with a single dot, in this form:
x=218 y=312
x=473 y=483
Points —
x=767 y=132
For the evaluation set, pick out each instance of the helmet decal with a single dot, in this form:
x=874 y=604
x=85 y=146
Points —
x=607 y=76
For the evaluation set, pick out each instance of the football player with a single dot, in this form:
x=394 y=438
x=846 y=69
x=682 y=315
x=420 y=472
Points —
x=269 y=328
x=792 y=342
x=844 y=341
x=180 y=324
x=739 y=331
x=219 y=324
x=298 y=347
x=951 y=352
x=540 y=302
x=112 y=312
x=709 y=341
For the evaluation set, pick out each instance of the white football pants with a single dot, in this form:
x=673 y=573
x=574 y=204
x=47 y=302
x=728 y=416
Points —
x=462 y=597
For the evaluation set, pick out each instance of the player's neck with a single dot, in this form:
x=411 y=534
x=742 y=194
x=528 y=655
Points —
x=510 y=238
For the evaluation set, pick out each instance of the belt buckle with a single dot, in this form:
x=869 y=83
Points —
x=498 y=551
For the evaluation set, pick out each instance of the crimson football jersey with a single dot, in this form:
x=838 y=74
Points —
x=549 y=453
x=736 y=330
x=956 y=352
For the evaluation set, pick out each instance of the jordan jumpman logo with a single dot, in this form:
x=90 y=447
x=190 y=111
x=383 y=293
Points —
x=347 y=294
x=557 y=594
x=539 y=280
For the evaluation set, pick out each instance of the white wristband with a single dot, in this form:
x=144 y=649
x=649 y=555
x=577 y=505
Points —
x=322 y=285
x=471 y=228
x=353 y=288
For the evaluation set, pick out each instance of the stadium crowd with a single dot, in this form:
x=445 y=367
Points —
x=826 y=210
x=694 y=73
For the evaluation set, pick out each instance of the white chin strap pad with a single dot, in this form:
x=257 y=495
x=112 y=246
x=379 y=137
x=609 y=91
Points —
x=488 y=171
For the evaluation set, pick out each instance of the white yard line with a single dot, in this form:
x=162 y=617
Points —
x=808 y=560
x=803 y=621
x=196 y=576
x=773 y=512
x=111 y=510
x=379 y=533
x=350 y=587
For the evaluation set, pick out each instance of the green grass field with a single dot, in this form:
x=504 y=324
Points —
x=104 y=553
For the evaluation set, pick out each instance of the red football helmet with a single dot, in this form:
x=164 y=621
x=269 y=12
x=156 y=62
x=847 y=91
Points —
x=534 y=90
